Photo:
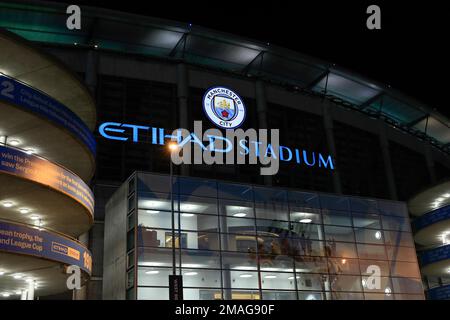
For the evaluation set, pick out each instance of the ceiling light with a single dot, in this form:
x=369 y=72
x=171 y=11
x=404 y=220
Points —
x=246 y=275
x=388 y=291
x=14 y=142
x=447 y=195
x=310 y=297
x=2 y=273
x=152 y=211
x=306 y=220
x=239 y=215
x=30 y=151
x=24 y=210
x=378 y=235
x=187 y=214
x=270 y=276
x=364 y=282
x=152 y=272
x=7 y=204
x=190 y=273
x=17 y=276
x=292 y=277
x=448 y=270
x=440 y=199
x=5 y=294
x=18 y=292
x=344 y=261
x=34 y=217
x=29 y=280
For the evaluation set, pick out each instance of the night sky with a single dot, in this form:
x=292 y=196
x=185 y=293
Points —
x=410 y=52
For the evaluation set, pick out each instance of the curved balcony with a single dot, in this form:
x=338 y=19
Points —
x=40 y=124
x=36 y=189
x=436 y=261
x=32 y=254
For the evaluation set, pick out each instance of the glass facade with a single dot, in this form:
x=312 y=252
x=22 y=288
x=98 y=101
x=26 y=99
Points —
x=235 y=241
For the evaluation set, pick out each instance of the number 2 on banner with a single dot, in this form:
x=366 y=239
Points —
x=8 y=87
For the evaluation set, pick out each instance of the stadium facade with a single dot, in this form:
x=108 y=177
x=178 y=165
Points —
x=309 y=232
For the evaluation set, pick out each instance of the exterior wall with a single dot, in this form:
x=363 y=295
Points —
x=115 y=246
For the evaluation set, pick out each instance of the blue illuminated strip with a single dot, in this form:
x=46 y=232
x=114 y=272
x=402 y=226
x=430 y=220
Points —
x=434 y=255
x=431 y=217
x=17 y=93
x=17 y=238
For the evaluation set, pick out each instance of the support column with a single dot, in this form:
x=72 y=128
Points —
x=384 y=144
x=261 y=107
x=328 y=125
x=90 y=76
x=430 y=163
x=182 y=97
x=23 y=295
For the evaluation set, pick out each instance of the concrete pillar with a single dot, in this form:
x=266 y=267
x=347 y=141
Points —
x=90 y=76
x=329 y=134
x=430 y=163
x=389 y=172
x=261 y=108
x=182 y=97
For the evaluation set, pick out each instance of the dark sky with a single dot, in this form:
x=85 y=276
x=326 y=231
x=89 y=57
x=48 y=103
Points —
x=410 y=52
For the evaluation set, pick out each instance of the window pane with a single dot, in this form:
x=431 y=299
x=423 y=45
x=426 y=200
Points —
x=345 y=283
x=392 y=208
x=240 y=261
x=307 y=231
x=378 y=296
x=369 y=236
x=395 y=223
x=200 y=259
x=366 y=221
x=197 y=187
x=304 y=199
x=372 y=286
x=310 y=282
x=156 y=219
x=333 y=233
x=272 y=226
x=201 y=278
x=237 y=209
x=337 y=218
x=240 y=279
x=202 y=294
x=402 y=254
x=273 y=280
x=310 y=265
x=367 y=251
x=363 y=205
x=396 y=238
x=272 y=211
x=340 y=249
x=269 y=194
x=309 y=247
x=200 y=222
x=405 y=269
x=238 y=242
x=334 y=202
x=343 y=266
x=156 y=257
x=405 y=285
x=311 y=296
x=305 y=215
x=279 y=295
x=235 y=191
x=153 y=276
x=198 y=205
x=153 y=293
x=237 y=225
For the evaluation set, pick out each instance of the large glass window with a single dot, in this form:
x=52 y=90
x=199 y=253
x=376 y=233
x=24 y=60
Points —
x=237 y=242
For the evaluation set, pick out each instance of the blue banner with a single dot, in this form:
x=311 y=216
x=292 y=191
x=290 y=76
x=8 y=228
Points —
x=435 y=255
x=39 y=103
x=431 y=218
x=27 y=240
x=34 y=168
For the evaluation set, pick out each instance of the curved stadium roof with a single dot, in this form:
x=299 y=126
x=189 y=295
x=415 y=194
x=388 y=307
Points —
x=116 y=31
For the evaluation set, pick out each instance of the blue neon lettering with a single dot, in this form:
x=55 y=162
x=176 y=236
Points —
x=103 y=128
x=305 y=158
x=329 y=160
x=282 y=155
x=212 y=147
x=242 y=143
x=270 y=150
x=135 y=130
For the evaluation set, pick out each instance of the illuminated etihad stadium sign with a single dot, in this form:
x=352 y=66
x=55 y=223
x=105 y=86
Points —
x=226 y=110
x=224 y=107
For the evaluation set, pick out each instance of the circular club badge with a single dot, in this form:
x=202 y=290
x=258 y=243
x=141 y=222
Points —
x=224 y=107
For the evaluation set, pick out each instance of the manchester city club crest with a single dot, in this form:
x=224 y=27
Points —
x=224 y=107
